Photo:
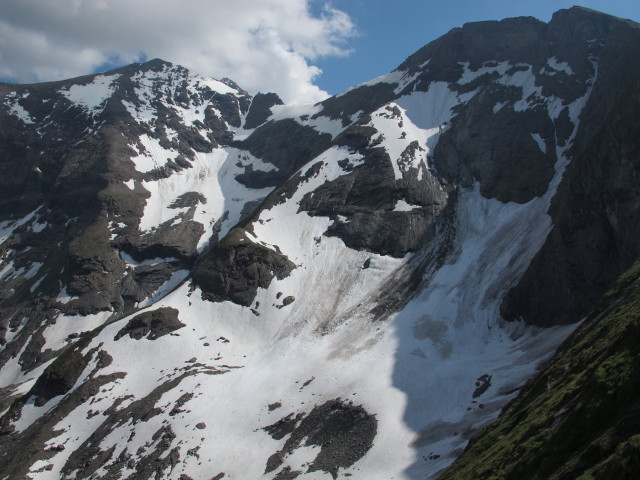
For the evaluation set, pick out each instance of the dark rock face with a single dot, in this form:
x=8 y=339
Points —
x=522 y=40
x=152 y=325
x=364 y=98
x=62 y=374
x=260 y=109
x=497 y=149
x=65 y=167
x=366 y=196
x=512 y=39
x=169 y=240
x=144 y=280
x=236 y=267
x=285 y=144
x=283 y=427
x=73 y=199
x=344 y=432
x=288 y=300
x=595 y=212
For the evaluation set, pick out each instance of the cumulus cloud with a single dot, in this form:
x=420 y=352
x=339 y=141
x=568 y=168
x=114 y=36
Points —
x=263 y=45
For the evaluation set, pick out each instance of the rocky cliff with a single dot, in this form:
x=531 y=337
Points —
x=198 y=283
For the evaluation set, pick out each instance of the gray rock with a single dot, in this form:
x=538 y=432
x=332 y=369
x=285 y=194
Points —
x=595 y=212
x=151 y=325
x=260 y=109
x=236 y=267
x=343 y=431
x=286 y=145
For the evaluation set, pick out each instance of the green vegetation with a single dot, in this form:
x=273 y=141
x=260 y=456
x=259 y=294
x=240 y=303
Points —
x=580 y=417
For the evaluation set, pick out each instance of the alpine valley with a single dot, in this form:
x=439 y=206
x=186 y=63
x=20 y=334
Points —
x=202 y=284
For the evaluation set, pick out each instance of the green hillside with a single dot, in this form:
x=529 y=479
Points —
x=580 y=417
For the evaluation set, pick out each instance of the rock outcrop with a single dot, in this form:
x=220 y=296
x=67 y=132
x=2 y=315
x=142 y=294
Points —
x=187 y=270
x=234 y=269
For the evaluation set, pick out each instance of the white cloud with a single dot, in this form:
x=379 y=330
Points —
x=263 y=45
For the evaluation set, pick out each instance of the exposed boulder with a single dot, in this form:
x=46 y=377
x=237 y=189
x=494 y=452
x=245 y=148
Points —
x=151 y=325
x=236 y=267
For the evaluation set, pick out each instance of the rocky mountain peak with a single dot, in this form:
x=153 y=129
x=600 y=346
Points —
x=351 y=288
x=156 y=64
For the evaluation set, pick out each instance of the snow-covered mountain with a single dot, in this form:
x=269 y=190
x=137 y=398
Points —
x=198 y=284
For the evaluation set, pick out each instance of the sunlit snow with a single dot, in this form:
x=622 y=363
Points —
x=92 y=95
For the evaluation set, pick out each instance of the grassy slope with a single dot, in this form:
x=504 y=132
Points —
x=580 y=417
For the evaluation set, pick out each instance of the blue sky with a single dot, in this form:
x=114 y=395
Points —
x=390 y=31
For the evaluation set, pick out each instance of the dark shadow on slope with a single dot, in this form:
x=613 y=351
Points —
x=580 y=417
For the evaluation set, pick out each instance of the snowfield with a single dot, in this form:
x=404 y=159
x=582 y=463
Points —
x=430 y=373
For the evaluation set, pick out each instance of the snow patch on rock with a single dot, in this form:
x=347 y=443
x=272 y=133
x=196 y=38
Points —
x=91 y=96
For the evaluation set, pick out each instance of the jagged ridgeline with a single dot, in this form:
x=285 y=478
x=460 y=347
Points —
x=198 y=283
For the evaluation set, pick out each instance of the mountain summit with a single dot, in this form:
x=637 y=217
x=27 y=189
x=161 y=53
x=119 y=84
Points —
x=201 y=284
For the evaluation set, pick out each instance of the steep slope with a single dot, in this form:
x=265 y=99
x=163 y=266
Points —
x=579 y=418
x=595 y=212
x=198 y=284
x=89 y=163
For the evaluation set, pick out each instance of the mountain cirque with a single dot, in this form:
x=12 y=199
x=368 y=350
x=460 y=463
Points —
x=202 y=284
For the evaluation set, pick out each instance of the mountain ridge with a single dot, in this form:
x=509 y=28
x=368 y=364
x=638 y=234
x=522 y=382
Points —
x=330 y=286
